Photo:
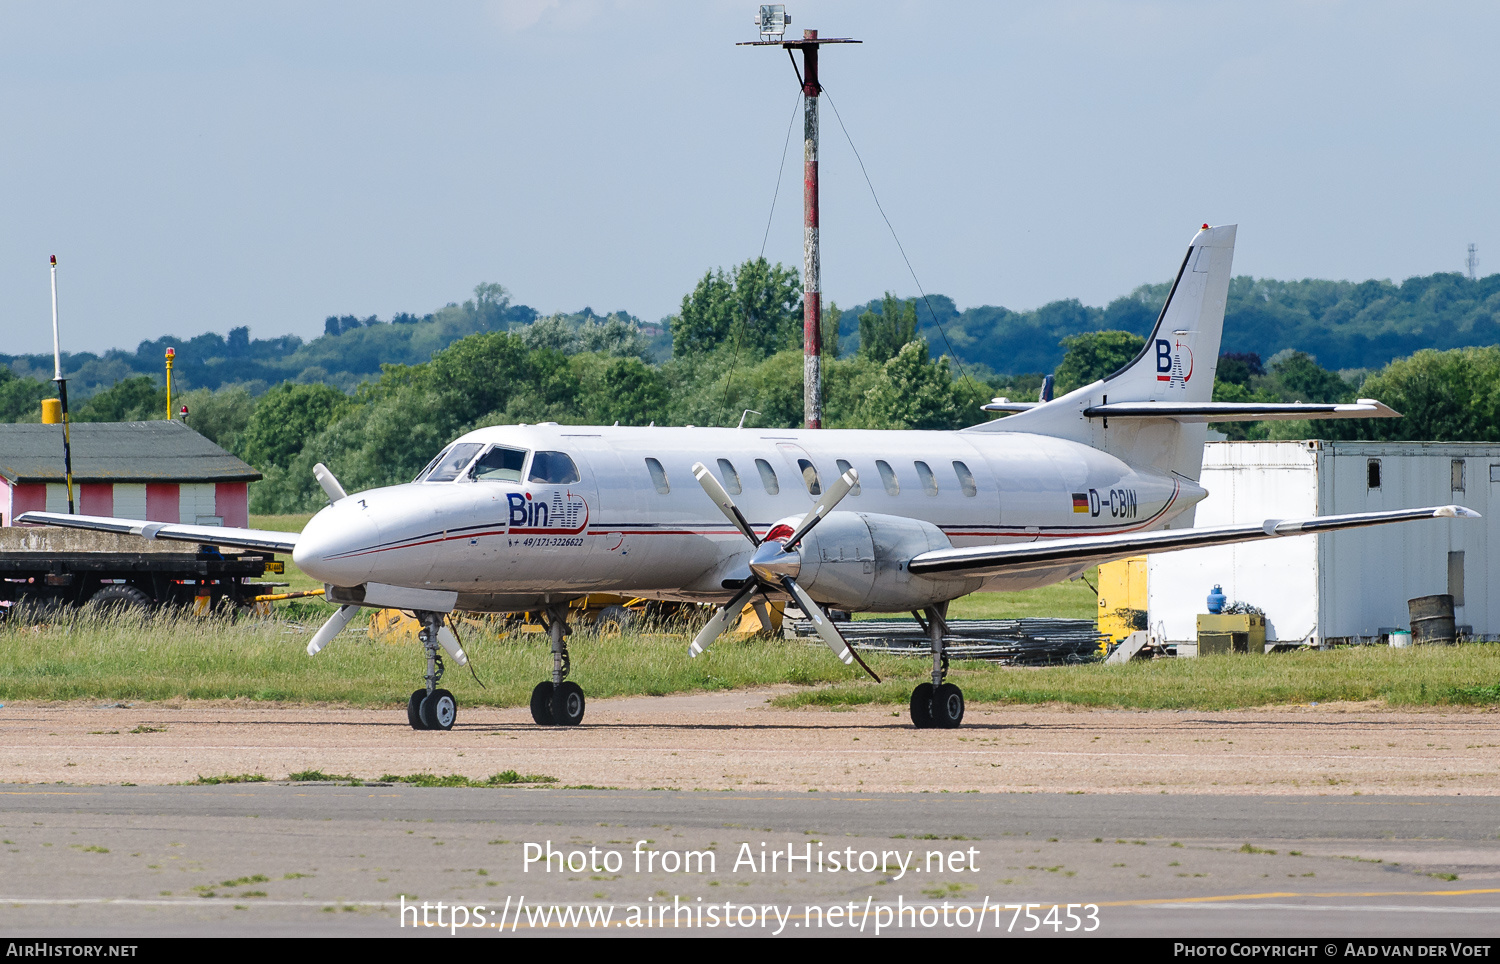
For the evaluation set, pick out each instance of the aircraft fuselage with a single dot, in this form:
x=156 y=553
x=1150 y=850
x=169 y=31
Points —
x=630 y=518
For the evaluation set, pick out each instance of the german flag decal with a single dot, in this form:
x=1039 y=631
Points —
x=1080 y=502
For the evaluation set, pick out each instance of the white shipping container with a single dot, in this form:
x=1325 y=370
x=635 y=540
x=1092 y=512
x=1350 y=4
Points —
x=1345 y=585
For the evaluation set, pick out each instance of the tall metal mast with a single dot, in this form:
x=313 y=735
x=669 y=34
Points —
x=772 y=21
x=62 y=393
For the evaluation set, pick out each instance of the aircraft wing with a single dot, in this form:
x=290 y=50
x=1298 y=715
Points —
x=1055 y=553
x=266 y=540
x=1236 y=411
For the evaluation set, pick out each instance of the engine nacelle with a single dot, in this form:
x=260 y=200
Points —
x=857 y=561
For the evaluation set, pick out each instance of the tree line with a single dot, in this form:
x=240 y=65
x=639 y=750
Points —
x=734 y=345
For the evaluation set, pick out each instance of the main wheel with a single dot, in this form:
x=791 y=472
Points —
x=439 y=710
x=567 y=704
x=541 y=703
x=921 y=706
x=947 y=706
x=414 y=710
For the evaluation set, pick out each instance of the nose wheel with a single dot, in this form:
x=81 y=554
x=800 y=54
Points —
x=431 y=708
x=558 y=701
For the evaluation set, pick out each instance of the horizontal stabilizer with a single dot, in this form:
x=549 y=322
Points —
x=1236 y=411
x=266 y=540
x=1006 y=405
x=1059 y=553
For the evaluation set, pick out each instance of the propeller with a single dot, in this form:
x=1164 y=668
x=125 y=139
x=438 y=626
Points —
x=329 y=483
x=775 y=565
x=330 y=629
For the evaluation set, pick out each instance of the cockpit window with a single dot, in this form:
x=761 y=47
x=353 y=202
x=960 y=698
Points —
x=554 y=468
x=499 y=464
x=452 y=462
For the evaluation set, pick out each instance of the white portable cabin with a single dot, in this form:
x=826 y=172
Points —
x=1350 y=586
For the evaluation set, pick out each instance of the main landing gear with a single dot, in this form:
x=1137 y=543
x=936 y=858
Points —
x=431 y=708
x=558 y=701
x=937 y=704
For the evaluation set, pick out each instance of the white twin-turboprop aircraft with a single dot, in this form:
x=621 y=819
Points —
x=525 y=518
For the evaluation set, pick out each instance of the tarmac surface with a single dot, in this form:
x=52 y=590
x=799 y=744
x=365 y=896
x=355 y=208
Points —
x=1343 y=821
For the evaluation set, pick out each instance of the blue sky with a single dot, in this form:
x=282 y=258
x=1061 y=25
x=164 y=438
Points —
x=201 y=166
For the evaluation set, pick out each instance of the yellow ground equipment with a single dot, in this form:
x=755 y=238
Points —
x=1122 y=597
x=1231 y=633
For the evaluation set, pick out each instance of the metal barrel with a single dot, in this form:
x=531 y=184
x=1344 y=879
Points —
x=1432 y=620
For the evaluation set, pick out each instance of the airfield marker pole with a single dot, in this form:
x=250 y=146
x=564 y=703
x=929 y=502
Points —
x=62 y=393
x=812 y=304
x=812 y=280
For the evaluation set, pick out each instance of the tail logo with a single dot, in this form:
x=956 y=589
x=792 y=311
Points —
x=1174 y=362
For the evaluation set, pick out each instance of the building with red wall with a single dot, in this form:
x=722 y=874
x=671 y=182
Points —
x=160 y=471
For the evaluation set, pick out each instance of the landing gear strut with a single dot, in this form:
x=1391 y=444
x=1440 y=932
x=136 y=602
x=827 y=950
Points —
x=939 y=703
x=558 y=701
x=431 y=708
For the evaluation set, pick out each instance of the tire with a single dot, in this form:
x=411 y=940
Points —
x=568 y=704
x=947 y=706
x=921 y=706
x=117 y=600
x=414 y=710
x=541 y=703
x=439 y=710
x=613 y=620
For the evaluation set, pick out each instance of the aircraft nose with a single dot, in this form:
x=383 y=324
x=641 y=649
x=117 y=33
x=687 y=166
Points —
x=336 y=545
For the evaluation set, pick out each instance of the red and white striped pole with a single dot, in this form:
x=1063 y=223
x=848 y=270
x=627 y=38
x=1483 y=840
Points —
x=812 y=307
x=772 y=23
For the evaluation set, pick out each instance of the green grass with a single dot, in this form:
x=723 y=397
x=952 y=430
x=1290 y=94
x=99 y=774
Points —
x=203 y=781
x=1421 y=676
x=175 y=657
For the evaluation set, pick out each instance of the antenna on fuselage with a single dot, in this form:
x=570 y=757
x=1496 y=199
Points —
x=748 y=411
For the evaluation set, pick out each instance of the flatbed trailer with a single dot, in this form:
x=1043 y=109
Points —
x=47 y=566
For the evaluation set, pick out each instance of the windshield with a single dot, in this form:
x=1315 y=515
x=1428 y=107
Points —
x=499 y=464
x=446 y=467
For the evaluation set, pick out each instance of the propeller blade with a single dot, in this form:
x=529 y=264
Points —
x=820 y=621
x=724 y=502
x=721 y=620
x=826 y=628
x=831 y=498
x=450 y=643
x=330 y=629
x=329 y=483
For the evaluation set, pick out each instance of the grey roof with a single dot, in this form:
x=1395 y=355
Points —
x=159 y=451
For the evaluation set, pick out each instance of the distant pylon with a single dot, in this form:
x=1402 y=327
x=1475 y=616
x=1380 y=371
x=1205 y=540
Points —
x=1472 y=262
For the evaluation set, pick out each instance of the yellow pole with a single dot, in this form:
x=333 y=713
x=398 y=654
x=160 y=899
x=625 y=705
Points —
x=171 y=353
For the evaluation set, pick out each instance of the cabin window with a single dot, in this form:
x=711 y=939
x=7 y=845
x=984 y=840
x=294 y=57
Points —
x=929 y=481
x=965 y=480
x=658 y=476
x=451 y=463
x=553 y=468
x=1372 y=474
x=888 y=476
x=1457 y=471
x=844 y=467
x=730 y=476
x=767 y=476
x=810 y=477
x=499 y=464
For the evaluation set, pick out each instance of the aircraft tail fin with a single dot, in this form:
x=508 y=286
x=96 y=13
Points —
x=1177 y=364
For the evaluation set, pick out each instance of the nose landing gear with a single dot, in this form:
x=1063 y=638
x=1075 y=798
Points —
x=431 y=708
x=558 y=701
